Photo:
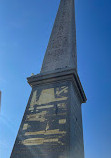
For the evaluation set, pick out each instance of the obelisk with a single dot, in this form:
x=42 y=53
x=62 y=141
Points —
x=52 y=123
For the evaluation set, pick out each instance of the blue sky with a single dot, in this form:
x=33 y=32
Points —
x=25 y=27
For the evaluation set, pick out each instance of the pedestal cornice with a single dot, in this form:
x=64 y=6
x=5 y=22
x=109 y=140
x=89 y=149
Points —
x=58 y=76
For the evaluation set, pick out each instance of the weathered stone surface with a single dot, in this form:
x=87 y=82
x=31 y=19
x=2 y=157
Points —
x=76 y=130
x=44 y=131
x=52 y=123
x=61 y=50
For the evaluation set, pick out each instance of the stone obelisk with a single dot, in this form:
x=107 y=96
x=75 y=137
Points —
x=52 y=123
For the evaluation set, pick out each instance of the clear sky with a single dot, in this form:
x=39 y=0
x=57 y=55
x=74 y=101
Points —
x=25 y=27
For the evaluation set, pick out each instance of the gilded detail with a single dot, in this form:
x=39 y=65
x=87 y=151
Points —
x=45 y=107
x=48 y=132
x=25 y=126
x=37 y=117
x=39 y=141
x=64 y=90
x=62 y=121
x=47 y=96
x=62 y=105
x=33 y=100
x=42 y=104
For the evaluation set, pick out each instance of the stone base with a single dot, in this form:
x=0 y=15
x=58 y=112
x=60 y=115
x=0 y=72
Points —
x=52 y=122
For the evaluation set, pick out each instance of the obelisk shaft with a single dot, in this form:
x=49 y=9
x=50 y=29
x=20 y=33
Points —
x=61 y=50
